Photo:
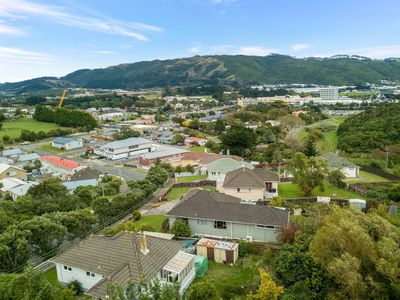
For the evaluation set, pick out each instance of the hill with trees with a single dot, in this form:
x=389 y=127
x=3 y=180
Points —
x=232 y=69
x=375 y=128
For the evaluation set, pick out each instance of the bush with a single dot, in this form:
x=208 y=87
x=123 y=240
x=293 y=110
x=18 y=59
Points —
x=203 y=290
x=165 y=226
x=180 y=229
x=136 y=215
x=76 y=287
x=247 y=248
x=376 y=165
x=268 y=256
x=277 y=201
x=336 y=178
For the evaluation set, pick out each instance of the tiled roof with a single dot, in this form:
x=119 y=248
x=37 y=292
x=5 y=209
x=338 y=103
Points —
x=61 y=162
x=244 y=178
x=202 y=204
x=119 y=259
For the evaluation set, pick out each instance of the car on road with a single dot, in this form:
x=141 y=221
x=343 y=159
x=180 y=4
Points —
x=25 y=143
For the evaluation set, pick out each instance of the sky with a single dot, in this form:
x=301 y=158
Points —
x=55 y=37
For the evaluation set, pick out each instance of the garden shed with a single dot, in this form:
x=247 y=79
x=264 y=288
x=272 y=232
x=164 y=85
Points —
x=217 y=250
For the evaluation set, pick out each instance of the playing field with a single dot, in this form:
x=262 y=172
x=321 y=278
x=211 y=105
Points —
x=13 y=128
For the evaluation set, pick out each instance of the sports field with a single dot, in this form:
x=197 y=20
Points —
x=13 y=128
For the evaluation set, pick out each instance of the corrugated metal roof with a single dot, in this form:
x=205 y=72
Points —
x=126 y=143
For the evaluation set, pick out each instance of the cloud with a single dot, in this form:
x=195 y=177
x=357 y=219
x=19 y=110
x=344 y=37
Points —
x=232 y=49
x=378 y=52
x=106 y=52
x=10 y=30
x=299 y=47
x=257 y=51
x=23 y=56
x=88 y=21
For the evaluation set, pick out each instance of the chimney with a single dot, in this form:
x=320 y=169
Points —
x=143 y=244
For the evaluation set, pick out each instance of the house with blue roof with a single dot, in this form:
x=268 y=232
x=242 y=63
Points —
x=65 y=143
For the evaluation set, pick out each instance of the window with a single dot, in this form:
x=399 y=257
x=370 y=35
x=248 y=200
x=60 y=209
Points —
x=90 y=274
x=67 y=268
x=220 y=224
x=201 y=222
x=265 y=226
x=238 y=189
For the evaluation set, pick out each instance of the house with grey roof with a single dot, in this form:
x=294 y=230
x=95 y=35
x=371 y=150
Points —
x=99 y=261
x=217 y=169
x=66 y=143
x=26 y=159
x=11 y=152
x=84 y=177
x=127 y=148
x=250 y=185
x=218 y=215
x=336 y=162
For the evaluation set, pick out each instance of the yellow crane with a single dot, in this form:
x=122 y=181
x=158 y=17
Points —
x=60 y=102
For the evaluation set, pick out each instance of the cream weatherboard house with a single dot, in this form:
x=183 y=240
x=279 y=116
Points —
x=250 y=185
x=126 y=257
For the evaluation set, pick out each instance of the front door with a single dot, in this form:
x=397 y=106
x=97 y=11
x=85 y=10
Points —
x=210 y=253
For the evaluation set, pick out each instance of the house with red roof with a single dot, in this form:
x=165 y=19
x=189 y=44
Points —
x=195 y=140
x=60 y=166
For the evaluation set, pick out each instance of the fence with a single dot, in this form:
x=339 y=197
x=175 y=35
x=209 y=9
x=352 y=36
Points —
x=340 y=202
x=356 y=189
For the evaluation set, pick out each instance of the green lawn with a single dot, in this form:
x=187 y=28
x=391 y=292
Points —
x=291 y=190
x=233 y=282
x=51 y=275
x=366 y=177
x=51 y=149
x=329 y=141
x=199 y=149
x=153 y=220
x=191 y=178
x=209 y=188
x=13 y=128
x=176 y=193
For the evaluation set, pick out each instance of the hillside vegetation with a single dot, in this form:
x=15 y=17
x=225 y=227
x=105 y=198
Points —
x=234 y=69
x=376 y=128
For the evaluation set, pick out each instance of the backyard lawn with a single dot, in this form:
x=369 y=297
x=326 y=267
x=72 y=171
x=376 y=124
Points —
x=199 y=149
x=291 y=190
x=366 y=177
x=233 y=282
x=191 y=178
x=13 y=128
x=51 y=275
x=51 y=149
x=176 y=193
x=154 y=221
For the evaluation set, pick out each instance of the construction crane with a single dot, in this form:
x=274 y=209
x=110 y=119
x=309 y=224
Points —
x=60 y=102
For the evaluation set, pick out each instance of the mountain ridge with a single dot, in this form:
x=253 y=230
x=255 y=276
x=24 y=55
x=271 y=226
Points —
x=231 y=69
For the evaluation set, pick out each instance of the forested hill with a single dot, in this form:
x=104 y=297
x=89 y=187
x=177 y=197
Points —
x=236 y=69
x=374 y=129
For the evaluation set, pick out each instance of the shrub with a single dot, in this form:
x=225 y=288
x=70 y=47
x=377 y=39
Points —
x=180 y=229
x=268 y=256
x=136 y=215
x=376 y=165
x=203 y=290
x=165 y=226
x=76 y=287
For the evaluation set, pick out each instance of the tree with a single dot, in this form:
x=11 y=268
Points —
x=180 y=229
x=394 y=193
x=32 y=284
x=14 y=249
x=268 y=289
x=203 y=290
x=157 y=175
x=308 y=172
x=310 y=148
x=239 y=140
x=219 y=126
x=336 y=177
x=339 y=246
x=177 y=139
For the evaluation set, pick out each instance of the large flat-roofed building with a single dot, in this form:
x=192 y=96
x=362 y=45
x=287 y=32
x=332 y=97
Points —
x=329 y=94
x=128 y=148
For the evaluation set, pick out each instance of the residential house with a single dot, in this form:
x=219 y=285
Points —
x=16 y=187
x=195 y=140
x=218 y=215
x=26 y=159
x=335 y=162
x=59 y=166
x=128 y=148
x=217 y=169
x=217 y=250
x=65 y=143
x=250 y=185
x=126 y=257
x=84 y=177
x=11 y=152
x=7 y=171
